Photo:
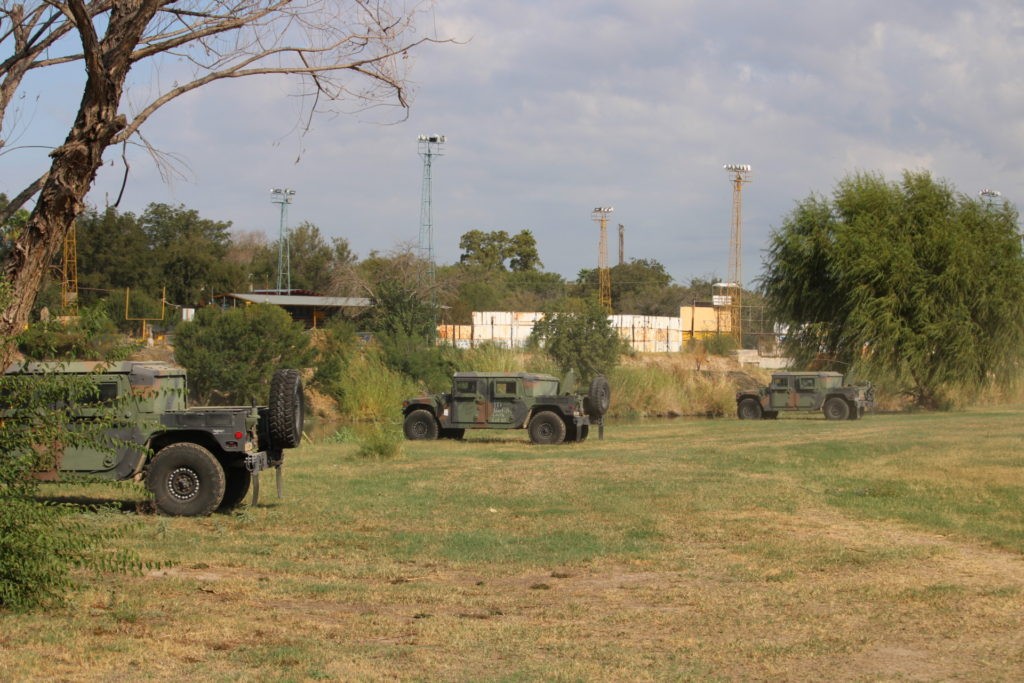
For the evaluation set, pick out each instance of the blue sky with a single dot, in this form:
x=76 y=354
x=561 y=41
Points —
x=553 y=108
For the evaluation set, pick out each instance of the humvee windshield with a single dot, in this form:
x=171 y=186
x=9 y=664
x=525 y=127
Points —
x=541 y=387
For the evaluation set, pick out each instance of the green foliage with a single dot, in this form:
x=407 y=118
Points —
x=429 y=365
x=88 y=336
x=40 y=543
x=640 y=287
x=582 y=340
x=719 y=344
x=335 y=345
x=492 y=250
x=381 y=441
x=909 y=281
x=231 y=355
x=314 y=262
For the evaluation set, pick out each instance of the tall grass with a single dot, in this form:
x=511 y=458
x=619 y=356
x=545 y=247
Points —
x=371 y=390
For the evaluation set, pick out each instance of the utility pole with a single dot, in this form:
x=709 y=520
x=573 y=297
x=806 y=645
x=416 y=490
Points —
x=604 y=276
x=622 y=244
x=739 y=176
x=283 y=196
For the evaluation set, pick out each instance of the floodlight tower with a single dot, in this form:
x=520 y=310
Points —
x=739 y=175
x=622 y=244
x=604 y=276
x=429 y=147
x=283 y=196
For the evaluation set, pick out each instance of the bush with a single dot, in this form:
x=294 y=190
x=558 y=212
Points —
x=231 y=355
x=583 y=340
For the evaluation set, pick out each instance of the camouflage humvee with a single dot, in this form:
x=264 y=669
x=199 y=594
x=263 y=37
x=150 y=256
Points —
x=549 y=409
x=194 y=460
x=807 y=391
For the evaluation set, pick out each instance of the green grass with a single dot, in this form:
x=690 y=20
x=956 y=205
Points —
x=887 y=548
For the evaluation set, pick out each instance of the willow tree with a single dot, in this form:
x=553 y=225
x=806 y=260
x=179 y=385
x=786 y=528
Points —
x=909 y=279
x=341 y=50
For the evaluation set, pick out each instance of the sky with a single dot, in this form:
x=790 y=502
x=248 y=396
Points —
x=552 y=108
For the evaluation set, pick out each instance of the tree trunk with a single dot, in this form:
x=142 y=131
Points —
x=74 y=164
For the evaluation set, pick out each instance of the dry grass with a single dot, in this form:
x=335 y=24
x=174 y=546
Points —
x=796 y=549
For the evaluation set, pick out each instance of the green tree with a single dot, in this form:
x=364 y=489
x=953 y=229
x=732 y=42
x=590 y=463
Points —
x=498 y=251
x=231 y=355
x=114 y=253
x=189 y=253
x=908 y=279
x=639 y=287
x=314 y=262
x=582 y=340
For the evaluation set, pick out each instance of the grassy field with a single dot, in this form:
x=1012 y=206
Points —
x=890 y=548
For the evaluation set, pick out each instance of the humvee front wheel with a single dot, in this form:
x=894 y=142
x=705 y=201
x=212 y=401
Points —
x=547 y=428
x=186 y=480
x=420 y=424
x=749 y=409
x=836 y=409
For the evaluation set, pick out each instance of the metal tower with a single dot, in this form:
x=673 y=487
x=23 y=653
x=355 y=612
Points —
x=283 y=196
x=429 y=147
x=604 y=276
x=622 y=244
x=739 y=175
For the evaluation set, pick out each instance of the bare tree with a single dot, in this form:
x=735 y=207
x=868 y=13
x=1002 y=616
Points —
x=343 y=50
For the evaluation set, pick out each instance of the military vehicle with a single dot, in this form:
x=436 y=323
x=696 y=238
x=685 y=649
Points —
x=550 y=410
x=194 y=460
x=805 y=391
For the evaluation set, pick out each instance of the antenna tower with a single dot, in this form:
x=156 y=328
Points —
x=429 y=147
x=604 y=276
x=622 y=244
x=739 y=175
x=283 y=196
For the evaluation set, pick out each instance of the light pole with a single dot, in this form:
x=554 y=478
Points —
x=604 y=277
x=738 y=173
x=283 y=196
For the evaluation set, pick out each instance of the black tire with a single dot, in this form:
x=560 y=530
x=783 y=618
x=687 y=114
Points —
x=547 y=428
x=749 y=409
x=236 y=487
x=836 y=408
x=599 y=399
x=420 y=424
x=287 y=409
x=186 y=480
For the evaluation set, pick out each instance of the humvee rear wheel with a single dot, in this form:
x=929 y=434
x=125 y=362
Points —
x=236 y=487
x=547 y=428
x=749 y=409
x=420 y=424
x=836 y=409
x=287 y=413
x=186 y=480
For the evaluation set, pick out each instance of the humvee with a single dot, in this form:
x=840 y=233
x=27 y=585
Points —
x=805 y=391
x=549 y=409
x=194 y=459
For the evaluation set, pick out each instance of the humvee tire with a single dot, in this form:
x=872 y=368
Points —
x=420 y=424
x=236 y=487
x=186 y=480
x=547 y=428
x=287 y=412
x=836 y=409
x=749 y=409
x=599 y=398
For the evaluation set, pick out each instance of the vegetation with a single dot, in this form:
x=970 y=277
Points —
x=43 y=543
x=231 y=355
x=908 y=280
x=582 y=340
x=683 y=549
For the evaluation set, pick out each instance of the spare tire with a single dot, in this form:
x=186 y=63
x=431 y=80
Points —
x=599 y=398
x=286 y=408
